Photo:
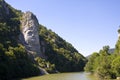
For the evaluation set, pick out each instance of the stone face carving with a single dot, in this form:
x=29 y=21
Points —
x=29 y=29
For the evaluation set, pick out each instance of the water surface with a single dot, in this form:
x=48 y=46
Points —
x=65 y=76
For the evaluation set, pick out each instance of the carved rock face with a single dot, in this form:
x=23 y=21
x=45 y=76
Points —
x=29 y=28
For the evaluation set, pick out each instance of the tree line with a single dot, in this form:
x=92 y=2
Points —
x=104 y=64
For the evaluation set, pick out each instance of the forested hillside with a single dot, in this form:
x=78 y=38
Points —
x=61 y=53
x=14 y=60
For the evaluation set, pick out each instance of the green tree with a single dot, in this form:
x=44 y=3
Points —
x=116 y=66
x=90 y=66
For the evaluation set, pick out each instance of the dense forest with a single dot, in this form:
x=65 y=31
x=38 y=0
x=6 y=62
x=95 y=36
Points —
x=14 y=59
x=61 y=53
x=104 y=64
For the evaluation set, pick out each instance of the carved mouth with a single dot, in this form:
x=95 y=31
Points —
x=32 y=39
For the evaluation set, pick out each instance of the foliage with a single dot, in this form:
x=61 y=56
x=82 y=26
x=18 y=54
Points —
x=90 y=66
x=14 y=62
x=116 y=66
x=118 y=30
x=50 y=68
x=61 y=53
x=104 y=64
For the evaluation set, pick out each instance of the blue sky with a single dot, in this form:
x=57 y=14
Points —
x=87 y=24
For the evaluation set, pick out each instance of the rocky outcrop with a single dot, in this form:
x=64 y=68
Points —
x=30 y=36
x=43 y=71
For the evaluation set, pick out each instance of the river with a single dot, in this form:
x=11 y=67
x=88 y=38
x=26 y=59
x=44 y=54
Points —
x=64 y=76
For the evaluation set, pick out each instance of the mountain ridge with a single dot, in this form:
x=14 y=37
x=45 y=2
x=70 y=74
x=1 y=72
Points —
x=15 y=58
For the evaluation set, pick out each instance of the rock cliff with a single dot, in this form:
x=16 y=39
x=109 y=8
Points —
x=23 y=41
x=30 y=36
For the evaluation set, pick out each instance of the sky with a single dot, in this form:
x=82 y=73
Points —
x=87 y=24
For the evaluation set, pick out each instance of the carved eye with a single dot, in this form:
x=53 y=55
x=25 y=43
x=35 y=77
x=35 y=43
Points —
x=30 y=23
x=30 y=33
x=24 y=31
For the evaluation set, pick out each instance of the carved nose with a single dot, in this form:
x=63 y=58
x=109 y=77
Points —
x=33 y=35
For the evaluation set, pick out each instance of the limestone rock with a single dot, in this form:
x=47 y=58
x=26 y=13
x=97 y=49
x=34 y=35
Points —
x=43 y=71
x=29 y=29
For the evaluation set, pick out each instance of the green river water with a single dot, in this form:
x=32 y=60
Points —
x=65 y=76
